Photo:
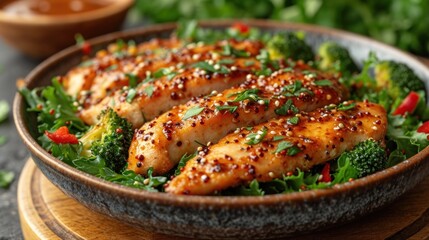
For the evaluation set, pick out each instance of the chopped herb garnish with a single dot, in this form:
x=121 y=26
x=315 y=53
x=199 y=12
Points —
x=210 y=68
x=249 y=94
x=292 y=151
x=322 y=83
x=252 y=190
x=283 y=145
x=4 y=110
x=87 y=63
x=343 y=107
x=183 y=160
x=6 y=178
x=284 y=110
x=193 y=112
x=293 y=120
x=249 y=128
x=200 y=143
x=131 y=94
x=120 y=44
x=149 y=90
x=266 y=62
x=112 y=67
x=226 y=61
x=296 y=89
x=255 y=138
x=228 y=50
x=231 y=109
x=164 y=72
x=278 y=138
x=132 y=80
x=249 y=63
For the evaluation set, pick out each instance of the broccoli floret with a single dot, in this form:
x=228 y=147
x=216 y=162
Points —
x=289 y=45
x=336 y=58
x=397 y=78
x=110 y=140
x=367 y=158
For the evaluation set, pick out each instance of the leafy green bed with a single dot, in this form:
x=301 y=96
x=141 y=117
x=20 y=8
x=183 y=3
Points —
x=385 y=82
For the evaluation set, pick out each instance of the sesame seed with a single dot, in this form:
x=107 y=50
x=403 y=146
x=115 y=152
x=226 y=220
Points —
x=233 y=68
x=196 y=56
x=328 y=97
x=277 y=103
x=247 y=139
x=299 y=145
x=214 y=92
x=258 y=137
x=289 y=133
x=181 y=70
x=199 y=148
x=220 y=95
x=261 y=102
x=146 y=181
x=273 y=132
x=312 y=119
x=203 y=72
x=180 y=86
x=249 y=76
x=341 y=125
x=374 y=127
x=260 y=132
x=271 y=174
x=216 y=66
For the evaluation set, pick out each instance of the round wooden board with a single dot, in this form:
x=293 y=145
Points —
x=47 y=213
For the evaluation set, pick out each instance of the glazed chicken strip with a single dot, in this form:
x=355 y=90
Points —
x=283 y=147
x=160 y=143
x=100 y=80
x=151 y=99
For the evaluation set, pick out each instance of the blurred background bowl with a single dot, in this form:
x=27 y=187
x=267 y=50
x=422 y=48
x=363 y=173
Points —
x=40 y=36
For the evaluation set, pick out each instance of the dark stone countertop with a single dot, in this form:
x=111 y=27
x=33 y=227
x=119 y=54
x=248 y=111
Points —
x=13 y=154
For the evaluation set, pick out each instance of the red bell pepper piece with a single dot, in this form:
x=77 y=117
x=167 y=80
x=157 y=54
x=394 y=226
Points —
x=408 y=105
x=62 y=136
x=326 y=176
x=241 y=27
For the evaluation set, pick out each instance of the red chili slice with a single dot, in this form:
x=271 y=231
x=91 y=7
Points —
x=62 y=136
x=241 y=27
x=424 y=128
x=326 y=176
x=86 y=48
x=408 y=105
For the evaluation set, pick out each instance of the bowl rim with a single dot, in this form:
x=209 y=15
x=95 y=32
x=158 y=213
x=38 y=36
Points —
x=111 y=9
x=361 y=184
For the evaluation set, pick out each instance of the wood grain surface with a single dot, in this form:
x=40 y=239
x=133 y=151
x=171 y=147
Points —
x=47 y=213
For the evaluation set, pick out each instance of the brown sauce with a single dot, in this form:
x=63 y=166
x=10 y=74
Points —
x=51 y=7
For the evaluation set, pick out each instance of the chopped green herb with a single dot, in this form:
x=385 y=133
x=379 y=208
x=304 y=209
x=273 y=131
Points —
x=249 y=128
x=231 y=109
x=278 y=138
x=226 y=61
x=132 y=80
x=131 y=94
x=249 y=94
x=185 y=158
x=228 y=50
x=295 y=89
x=292 y=151
x=283 y=145
x=87 y=63
x=322 y=83
x=4 y=110
x=193 y=112
x=164 y=72
x=255 y=138
x=200 y=143
x=293 y=120
x=6 y=178
x=112 y=67
x=120 y=44
x=210 y=68
x=284 y=110
x=343 y=107
x=249 y=63
x=266 y=62
x=149 y=90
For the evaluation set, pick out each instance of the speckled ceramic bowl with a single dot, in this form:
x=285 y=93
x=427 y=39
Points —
x=228 y=217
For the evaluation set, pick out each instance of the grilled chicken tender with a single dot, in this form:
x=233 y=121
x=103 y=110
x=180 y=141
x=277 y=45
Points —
x=155 y=97
x=160 y=143
x=113 y=71
x=318 y=137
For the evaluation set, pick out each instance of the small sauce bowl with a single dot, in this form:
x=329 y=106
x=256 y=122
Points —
x=42 y=28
